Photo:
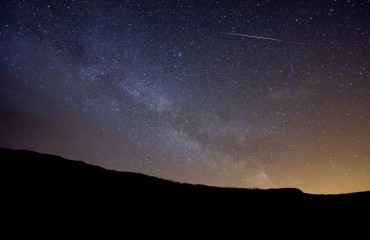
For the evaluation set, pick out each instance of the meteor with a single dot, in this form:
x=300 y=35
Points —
x=264 y=38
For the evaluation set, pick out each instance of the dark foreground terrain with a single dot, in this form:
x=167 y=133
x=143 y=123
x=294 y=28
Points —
x=42 y=183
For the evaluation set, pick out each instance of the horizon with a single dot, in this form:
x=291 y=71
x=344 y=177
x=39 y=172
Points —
x=194 y=184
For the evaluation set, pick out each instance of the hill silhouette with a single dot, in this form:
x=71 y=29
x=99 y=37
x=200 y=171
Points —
x=38 y=181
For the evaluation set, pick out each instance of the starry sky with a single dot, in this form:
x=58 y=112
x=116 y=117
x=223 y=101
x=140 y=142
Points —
x=176 y=89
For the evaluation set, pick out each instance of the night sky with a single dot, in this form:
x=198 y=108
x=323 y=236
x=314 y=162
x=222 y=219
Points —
x=176 y=89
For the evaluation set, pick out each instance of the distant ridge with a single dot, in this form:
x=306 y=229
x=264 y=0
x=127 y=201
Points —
x=33 y=179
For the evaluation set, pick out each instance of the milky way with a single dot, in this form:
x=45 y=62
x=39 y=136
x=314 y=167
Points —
x=157 y=87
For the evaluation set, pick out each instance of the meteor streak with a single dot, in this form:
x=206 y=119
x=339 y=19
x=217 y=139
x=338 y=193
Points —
x=264 y=38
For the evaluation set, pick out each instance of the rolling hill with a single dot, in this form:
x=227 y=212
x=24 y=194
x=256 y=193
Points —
x=32 y=181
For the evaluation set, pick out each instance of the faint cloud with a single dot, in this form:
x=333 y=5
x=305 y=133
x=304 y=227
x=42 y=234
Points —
x=278 y=95
x=288 y=94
